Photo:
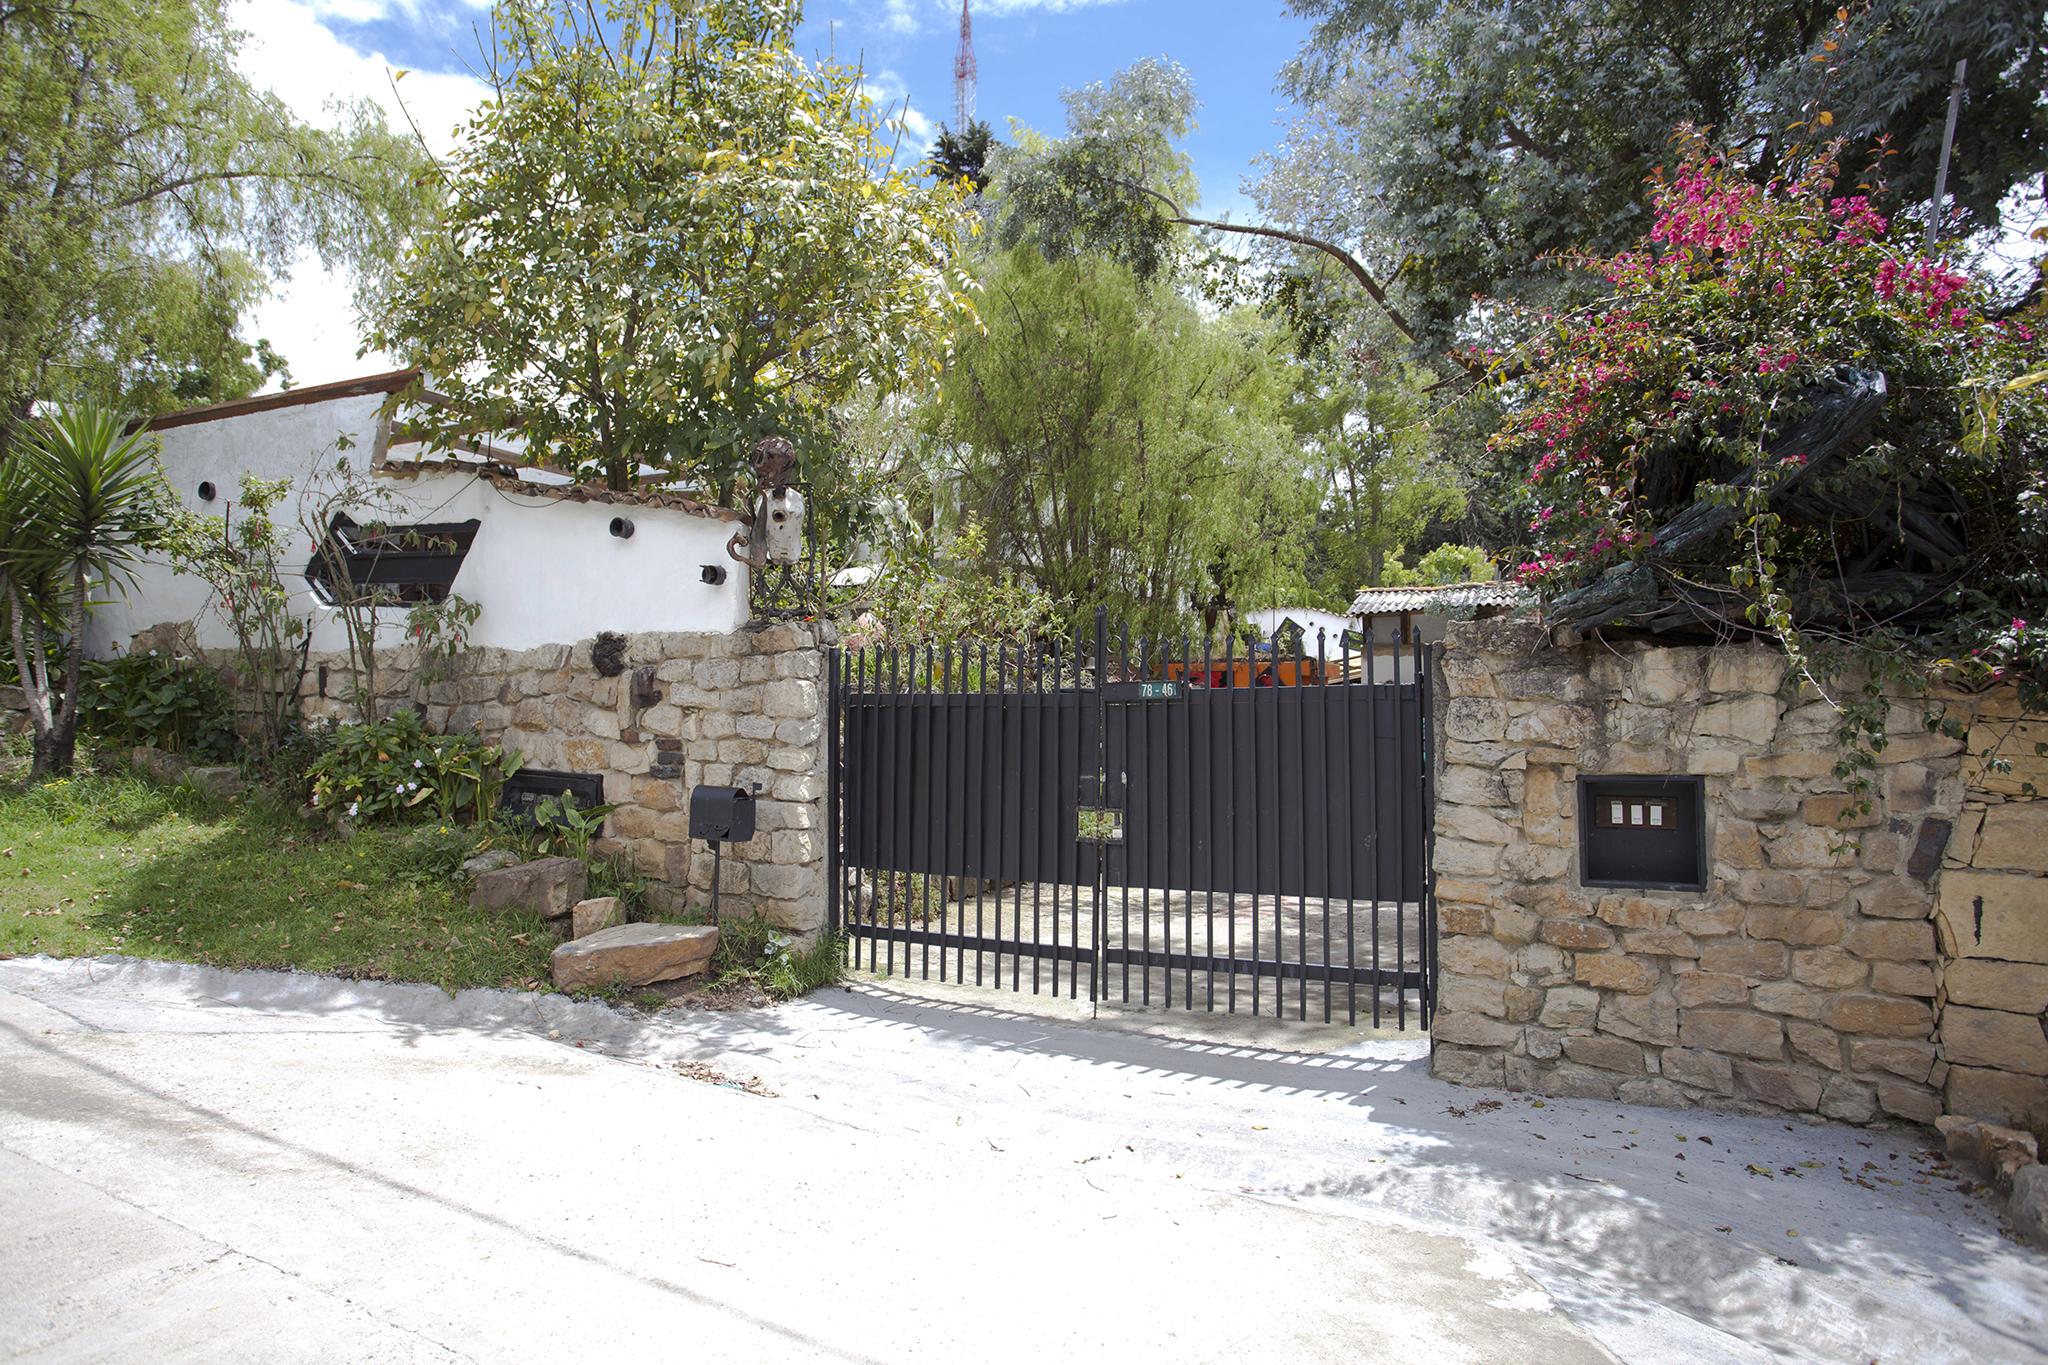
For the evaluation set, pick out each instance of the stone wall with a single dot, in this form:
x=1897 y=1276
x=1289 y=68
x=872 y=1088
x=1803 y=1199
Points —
x=1803 y=978
x=1992 y=920
x=731 y=709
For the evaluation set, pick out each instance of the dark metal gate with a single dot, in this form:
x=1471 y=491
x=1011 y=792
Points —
x=1209 y=828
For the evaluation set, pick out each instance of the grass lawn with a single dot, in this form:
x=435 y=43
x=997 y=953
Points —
x=117 y=864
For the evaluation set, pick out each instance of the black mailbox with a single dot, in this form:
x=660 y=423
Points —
x=1642 y=831
x=722 y=814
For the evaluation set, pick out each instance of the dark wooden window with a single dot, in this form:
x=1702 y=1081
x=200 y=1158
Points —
x=402 y=564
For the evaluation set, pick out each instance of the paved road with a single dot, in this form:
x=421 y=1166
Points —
x=204 y=1165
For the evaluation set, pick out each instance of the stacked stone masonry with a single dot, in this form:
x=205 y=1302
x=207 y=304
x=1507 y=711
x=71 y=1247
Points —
x=726 y=710
x=1991 y=919
x=1857 y=961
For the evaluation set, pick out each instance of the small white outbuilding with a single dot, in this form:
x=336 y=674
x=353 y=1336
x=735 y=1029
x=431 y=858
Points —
x=544 y=558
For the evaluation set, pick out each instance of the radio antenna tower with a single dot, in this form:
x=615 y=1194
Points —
x=964 y=73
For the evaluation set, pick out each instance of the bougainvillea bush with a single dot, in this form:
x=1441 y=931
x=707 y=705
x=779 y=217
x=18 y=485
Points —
x=1743 y=303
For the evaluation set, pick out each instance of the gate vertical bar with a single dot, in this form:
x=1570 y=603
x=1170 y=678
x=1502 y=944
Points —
x=1134 y=721
x=1045 y=729
x=1251 y=663
x=1301 y=889
x=1329 y=802
x=1401 y=816
x=1279 y=861
x=1098 y=913
x=1016 y=926
x=903 y=681
x=1215 y=795
x=1187 y=893
x=1372 y=787
x=871 y=788
x=928 y=762
x=950 y=881
x=1004 y=770
x=1123 y=673
x=1166 y=823
x=1230 y=743
x=1348 y=704
x=1082 y=758
x=981 y=729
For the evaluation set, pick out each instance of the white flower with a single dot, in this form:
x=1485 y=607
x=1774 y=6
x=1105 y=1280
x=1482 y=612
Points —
x=415 y=763
x=412 y=786
x=352 y=807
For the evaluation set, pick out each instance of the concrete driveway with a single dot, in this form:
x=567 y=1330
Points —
x=231 y=1166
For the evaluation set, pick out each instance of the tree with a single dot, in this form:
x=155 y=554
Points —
x=1371 y=454
x=244 y=560
x=1121 y=448
x=147 y=191
x=1446 y=563
x=667 y=235
x=964 y=155
x=1459 y=148
x=81 y=499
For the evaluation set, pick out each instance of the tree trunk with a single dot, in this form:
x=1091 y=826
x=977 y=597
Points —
x=35 y=684
x=62 y=746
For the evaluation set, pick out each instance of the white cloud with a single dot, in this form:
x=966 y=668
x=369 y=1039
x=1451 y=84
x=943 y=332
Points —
x=290 y=50
x=891 y=95
x=901 y=16
x=914 y=16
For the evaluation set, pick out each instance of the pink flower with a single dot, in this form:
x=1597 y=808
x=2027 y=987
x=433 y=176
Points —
x=1860 y=222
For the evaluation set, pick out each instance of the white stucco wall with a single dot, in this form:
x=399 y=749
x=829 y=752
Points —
x=541 y=570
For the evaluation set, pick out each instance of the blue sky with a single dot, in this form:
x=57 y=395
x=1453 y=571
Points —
x=1029 y=50
x=312 y=52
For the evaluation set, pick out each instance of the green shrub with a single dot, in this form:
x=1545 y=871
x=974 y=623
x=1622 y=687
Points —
x=398 y=770
x=433 y=854
x=174 y=704
x=614 y=876
x=751 y=947
x=289 y=766
x=562 y=828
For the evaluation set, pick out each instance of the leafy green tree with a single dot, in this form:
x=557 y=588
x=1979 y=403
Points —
x=148 y=191
x=964 y=155
x=1370 y=453
x=1444 y=564
x=1122 y=448
x=667 y=235
x=82 y=498
x=1461 y=147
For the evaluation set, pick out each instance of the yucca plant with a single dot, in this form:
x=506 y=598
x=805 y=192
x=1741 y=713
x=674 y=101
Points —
x=82 y=498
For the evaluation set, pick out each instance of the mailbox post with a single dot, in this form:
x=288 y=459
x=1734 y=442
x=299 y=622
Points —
x=720 y=815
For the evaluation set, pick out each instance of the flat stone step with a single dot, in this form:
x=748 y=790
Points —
x=549 y=887
x=635 y=955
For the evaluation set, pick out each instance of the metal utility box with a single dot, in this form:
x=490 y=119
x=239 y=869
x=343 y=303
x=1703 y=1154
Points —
x=722 y=814
x=1643 y=831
